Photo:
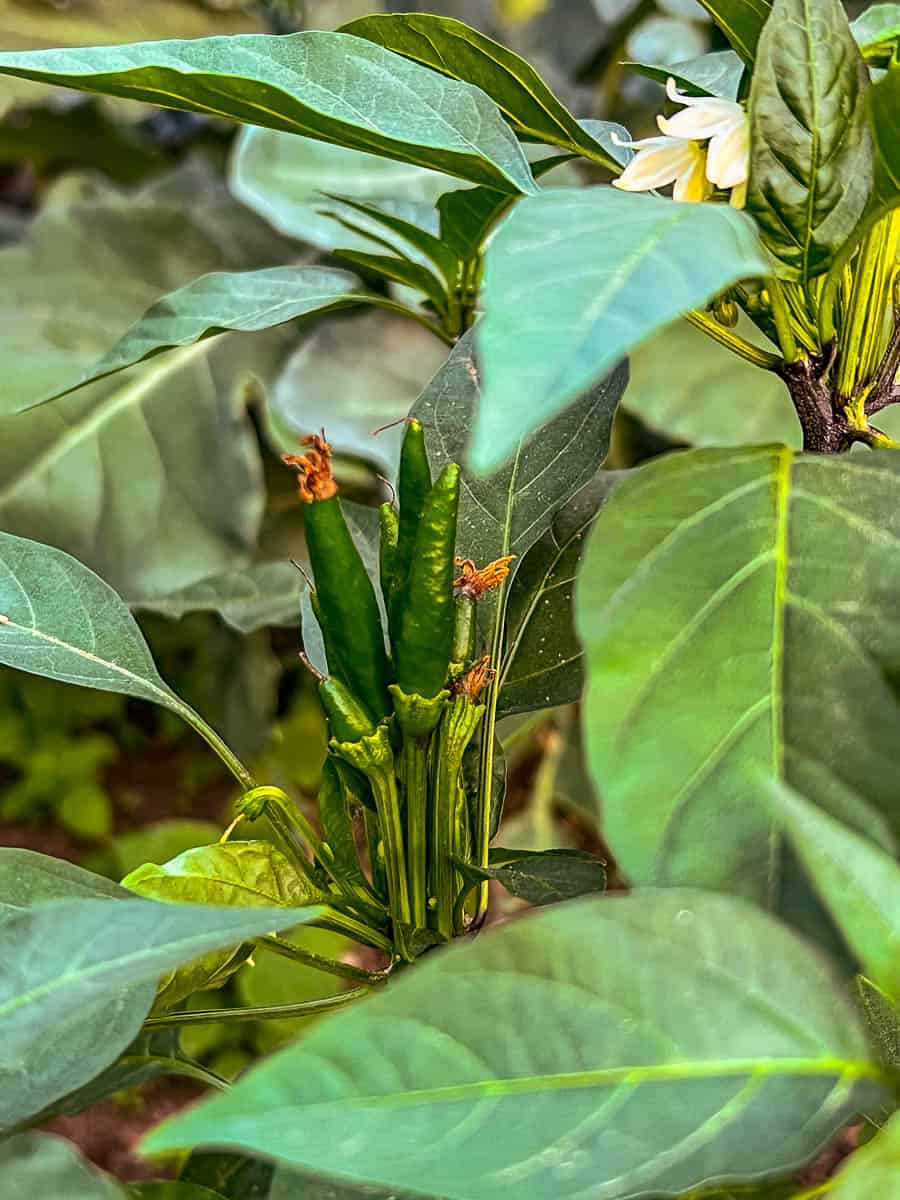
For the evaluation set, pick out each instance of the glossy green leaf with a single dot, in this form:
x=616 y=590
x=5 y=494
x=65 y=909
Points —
x=549 y=342
x=717 y=74
x=873 y=1170
x=96 y=473
x=323 y=85
x=267 y=593
x=741 y=21
x=398 y=270
x=285 y=178
x=606 y=1081
x=234 y=873
x=542 y=661
x=250 y=874
x=418 y=237
x=28 y=878
x=688 y=388
x=60 y=620
x=542 y=876
x=858 y=882
x=160 y=841
x=729 y=604
x=877 y=31
x=80 y=976
x=36 y=1165
x=810 y=147
x=461 y=52
x=884 y=102
x=225 y=302
x=507 y=511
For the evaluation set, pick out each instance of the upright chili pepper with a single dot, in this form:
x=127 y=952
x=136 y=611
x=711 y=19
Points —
x=347 y=608
x=425 y=636
x=413 y=485
x=469 y=586
x=389 y=529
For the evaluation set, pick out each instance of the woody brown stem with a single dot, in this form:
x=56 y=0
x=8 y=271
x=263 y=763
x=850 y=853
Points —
x=826 y=429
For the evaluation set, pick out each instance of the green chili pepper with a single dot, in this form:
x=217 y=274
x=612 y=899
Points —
x=464 y=632
x=348 y=720
x=390 y=528
x=347 y=608
x=425 y=643
x=413 y=486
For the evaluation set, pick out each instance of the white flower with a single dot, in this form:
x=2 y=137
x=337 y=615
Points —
x=680 y=157
x=663 y=160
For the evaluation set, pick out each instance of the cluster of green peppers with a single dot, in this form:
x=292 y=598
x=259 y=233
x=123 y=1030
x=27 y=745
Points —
x=401 y=709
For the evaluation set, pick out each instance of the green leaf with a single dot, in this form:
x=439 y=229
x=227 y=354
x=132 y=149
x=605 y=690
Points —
x=28 y=878
x=96 y=473
x=249 y=874
x=222 y=302
x=729 y=607
x=857 y=881
x=284 y=178
x=252 y=874
x=542 y=876
x=236 y=1177
x=810 y=146
x=876 y=32
x=542 y=661
x=884 y=102
x=60 y=620
x=160 y=841
x=266 y=593
x=507 y=511
x=551 y=342
x=742 y=23
x=37 y=1165
x=405 y=234
x=690 y=389
x=718 y=74
x=873 y=1170
x=323 y=85
x=461 y=52
x=607 y=1080
x=80 y=978
x=398 y=270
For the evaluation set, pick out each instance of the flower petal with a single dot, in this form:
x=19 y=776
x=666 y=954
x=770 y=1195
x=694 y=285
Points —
x=657 y=165
x=728 y=160
x=703 y=122
x=692 y=184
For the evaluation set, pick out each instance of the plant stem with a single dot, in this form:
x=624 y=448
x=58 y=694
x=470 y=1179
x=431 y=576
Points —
x=413 y=771
x=212 y=739
x=309 y=958
x=782 y=318
x=735 y=343
x=340 y=922
x=456 y=730
x=271 y=1012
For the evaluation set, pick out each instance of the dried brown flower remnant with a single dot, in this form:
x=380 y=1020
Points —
x=473 y=683
x=314 y=478
x=473 y=583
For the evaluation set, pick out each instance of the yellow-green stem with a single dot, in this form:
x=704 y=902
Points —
x=732 y=341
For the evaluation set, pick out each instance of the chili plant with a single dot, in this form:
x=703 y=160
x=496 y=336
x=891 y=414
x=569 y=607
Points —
x=733 y=617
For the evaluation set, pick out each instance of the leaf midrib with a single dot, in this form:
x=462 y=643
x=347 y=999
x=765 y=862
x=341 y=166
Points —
x=600 y=1078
